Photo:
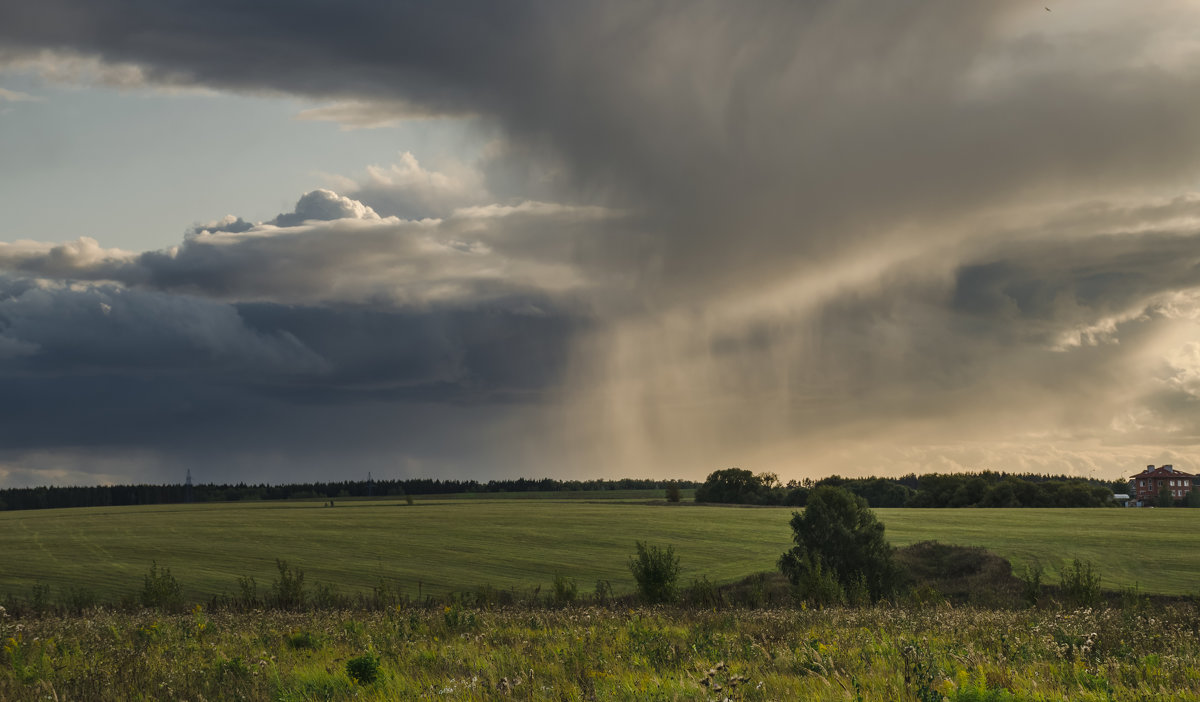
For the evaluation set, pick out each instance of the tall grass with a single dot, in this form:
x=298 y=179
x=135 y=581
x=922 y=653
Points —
x=458 y=653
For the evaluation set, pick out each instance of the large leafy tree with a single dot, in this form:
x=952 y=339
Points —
x=737 y=485
x=838 y=537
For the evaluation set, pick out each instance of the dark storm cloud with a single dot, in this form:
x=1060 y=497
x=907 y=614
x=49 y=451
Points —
x=1048 y=287
x=837 y=217
x=809 y=128
x=109 y=366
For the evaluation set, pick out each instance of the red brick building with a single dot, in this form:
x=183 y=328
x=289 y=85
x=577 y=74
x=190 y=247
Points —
x=1147 y=484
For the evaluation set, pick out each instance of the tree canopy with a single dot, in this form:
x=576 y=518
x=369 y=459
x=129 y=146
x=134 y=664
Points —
x=838 y=537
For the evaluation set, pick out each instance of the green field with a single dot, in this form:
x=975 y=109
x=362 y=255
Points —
x=434 y=546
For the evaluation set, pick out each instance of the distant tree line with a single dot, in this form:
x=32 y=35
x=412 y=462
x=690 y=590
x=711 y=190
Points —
x=986 y=489
x=120 y=495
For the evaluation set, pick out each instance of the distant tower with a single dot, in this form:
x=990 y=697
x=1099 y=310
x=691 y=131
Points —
x=187 y=488
x=370 y=485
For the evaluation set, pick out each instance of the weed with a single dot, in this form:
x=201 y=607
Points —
x=302 y=640
x=363 y=669
x=1081 y=584
x=160 y=590
x=1031 y=584
x=566 y=590
x=287 y=591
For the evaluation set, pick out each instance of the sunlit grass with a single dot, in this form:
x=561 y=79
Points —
x=602 y=654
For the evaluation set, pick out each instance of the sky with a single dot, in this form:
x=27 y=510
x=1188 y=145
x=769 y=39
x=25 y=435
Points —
x=289 y=241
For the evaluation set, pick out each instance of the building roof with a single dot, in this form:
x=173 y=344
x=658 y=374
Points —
x=1163 y=472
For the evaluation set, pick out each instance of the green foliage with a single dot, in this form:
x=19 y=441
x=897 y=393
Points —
x=603 y=592
x=673 y=493
x=1080 y=584
x=327 y=596
x=812 y=582
x=656 y=571
x=77 y=599
x=249 y=592
x=837 y=536
x=740 y=486
x=287 y=591
x=1031 y=584
x=302 y=640
x=702 y=594
x=39 y=598
x=160 y=590
x=363 y=669
x=565 y=591
x=1165 y=499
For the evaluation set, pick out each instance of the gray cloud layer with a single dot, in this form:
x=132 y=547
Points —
x=803 y=236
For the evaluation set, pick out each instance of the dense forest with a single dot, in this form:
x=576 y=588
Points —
x=986 y=489
x=115 y=495
x=728 y=486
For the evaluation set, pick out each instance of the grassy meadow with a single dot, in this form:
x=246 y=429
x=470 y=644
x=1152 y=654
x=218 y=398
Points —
x=435 y=546
x=590 y=653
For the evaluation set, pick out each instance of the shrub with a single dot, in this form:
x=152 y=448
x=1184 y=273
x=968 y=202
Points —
x=39 y=598
x=702 y=593
x=302 y=640
x=326 y=596
x=837 y=536
x=813 y=584
x=78 y=599
x=249 y=590
x=673 y=493
x=1081 y=584
x=656 y=571
x=287 y=592
x=1031 y=584
x=363 y=669
x=603 y=592
x=160 y=589
x=565 y=590
x=958 y=574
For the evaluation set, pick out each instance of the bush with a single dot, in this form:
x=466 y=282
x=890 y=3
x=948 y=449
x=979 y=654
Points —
x=1081 y=584
x=673 y=493
x=39 y=598
x=363 y=669
x=603 y=592
x=958 y=574
x=656 y=571
x=1031 y=584
x=815 y=585
x=160 y=590
x=78 y=599
x=300 y=640
x=837 y=536
x=287 y=592
x=249 y=589
x=703 y=594
x=566 y=590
